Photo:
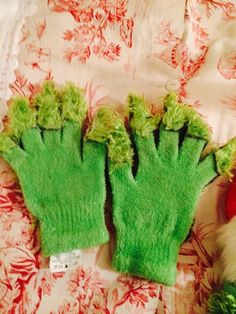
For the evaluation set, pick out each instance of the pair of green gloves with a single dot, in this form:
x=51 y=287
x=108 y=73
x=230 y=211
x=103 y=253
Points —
x=62 y=175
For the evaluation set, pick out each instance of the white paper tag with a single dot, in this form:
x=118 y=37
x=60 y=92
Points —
x=64 y=261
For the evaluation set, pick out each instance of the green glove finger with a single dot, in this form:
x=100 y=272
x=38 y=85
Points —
x=122 y=177
x=191 y=150
x=142 y=123
x=146 y=149
x=168 y=146
x=32 y=140
x=15 y=157
x=71 y=136
x=94 y=153
x=206 y=169
x=108 y=127
x=51 y=138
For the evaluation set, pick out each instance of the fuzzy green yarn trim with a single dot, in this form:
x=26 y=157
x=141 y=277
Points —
x=49 y=109
x=74 y=106
x=175 y=116
x=178 y=114
x=20 y=117
x=225 y=158
x=48 y=106
x=196 y=126
x=107 y=126
x=141 y=120
x=6 y=142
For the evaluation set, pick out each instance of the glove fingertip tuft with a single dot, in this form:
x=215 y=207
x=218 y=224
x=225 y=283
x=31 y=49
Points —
x=6 y=143
x=47 y=103
x=170 y=100
x=74 y=106
x=197 y=126
x=141 y=119
x=107 y=126
x=175 y=117
x=178 y=114
x=20 y=117
x=225 y=158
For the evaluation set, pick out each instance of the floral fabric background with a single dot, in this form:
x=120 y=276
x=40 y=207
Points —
x=110 y=48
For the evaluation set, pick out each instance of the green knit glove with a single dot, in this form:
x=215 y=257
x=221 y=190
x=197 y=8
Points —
x=62 y=180
x=154 y=210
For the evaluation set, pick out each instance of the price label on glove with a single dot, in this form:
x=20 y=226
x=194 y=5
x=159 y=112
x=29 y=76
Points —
x=64 y=261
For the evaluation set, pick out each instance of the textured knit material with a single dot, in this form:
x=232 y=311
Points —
x=154 y=210
x=63 y=186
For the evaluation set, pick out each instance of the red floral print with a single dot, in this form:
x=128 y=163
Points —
x=40 y=28
x=41 y=54
x=83 y=36
x=66 y=308
x=200 y=35
x=17 y=87
x=25 y=34
x=94 y=18
x=83 y=285
x=227 y=65
x=230 y=102
x=190 y=67
x=228 y=8
x=172 y=45
x=18 y=271
x=22 y=87
x=202 y=279
x=137 y=290
x=199 y=31
x=48 y=280
x=94 y=100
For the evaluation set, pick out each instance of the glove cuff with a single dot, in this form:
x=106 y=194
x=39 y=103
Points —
x=153 y=261
x=67 y=233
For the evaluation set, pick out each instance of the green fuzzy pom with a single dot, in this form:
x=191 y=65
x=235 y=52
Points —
x=170 y=100
x=177 y=115
x=222 y=302
x=141 y=120
x=48 y=106
x=225 y=158
x=196 y=126
x=6 y=142
x=108 y=127
x=20 y=117
x=73 y=103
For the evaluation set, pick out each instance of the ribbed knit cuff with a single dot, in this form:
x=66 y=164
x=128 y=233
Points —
x=155 y=261
x=64 y=237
